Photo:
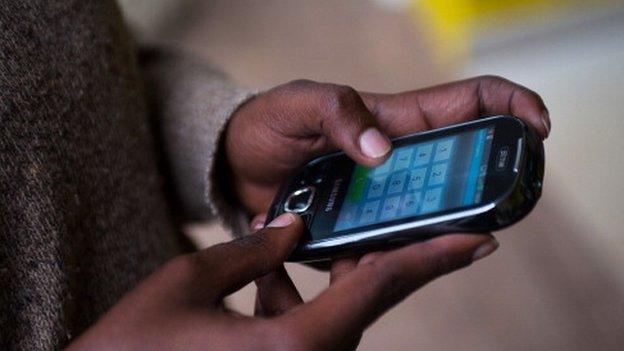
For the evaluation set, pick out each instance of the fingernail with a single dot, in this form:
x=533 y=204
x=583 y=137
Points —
x=485 y=250
x=258 y=226
x=546 y=121
x=374 y=144
x=282 y=221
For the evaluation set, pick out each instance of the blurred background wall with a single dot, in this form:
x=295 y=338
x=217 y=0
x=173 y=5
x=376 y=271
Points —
x=557 y=282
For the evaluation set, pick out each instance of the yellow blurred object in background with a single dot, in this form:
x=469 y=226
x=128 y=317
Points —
x=454 y=24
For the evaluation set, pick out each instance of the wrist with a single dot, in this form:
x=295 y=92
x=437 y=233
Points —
x=224 y=182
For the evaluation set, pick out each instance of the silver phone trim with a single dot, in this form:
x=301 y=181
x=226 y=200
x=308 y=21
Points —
x=398 y=228
x=516 y=166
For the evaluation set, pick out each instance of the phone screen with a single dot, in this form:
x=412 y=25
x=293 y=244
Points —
x=418 y=179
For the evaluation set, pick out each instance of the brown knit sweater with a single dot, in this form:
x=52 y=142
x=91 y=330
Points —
x=86 y=169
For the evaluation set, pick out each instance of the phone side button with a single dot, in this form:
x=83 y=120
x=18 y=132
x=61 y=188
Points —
x=516 y=166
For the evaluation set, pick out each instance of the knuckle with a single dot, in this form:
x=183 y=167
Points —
x=498 y=81
x=251 y=241
x=435 y=263
x=292 y=89
x=394 y=276
x=301 y=83
x=341 y=98
x=440 y=265
x=388 y=277
x=259 y=245
x=494 y=82
x=492 y=79
x=389 y=281
x=532 y=95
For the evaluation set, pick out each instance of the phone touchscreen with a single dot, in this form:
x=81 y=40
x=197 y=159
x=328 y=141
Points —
x=418 y=179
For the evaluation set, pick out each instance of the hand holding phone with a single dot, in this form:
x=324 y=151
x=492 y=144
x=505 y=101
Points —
x=478 y=176
x=277 y=132
x=180 y=305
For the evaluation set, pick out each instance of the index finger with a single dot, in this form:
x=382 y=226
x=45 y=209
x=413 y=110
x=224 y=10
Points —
x=230 y=266
x=458 y=102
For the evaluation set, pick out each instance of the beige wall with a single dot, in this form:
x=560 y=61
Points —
x=557 y=281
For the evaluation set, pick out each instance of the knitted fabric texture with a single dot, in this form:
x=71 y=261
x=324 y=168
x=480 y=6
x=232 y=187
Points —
x=84 y=211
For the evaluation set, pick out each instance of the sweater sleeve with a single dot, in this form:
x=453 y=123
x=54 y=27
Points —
x=192 y=103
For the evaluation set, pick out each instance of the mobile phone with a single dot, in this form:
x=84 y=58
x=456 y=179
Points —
x=478 y=176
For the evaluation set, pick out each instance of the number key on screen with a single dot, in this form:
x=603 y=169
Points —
x=431 y=200
x=397 y=183
x=369 y=212
x=443 y=150
x=385 y=167
x=403 y=159
x=376 y=187
x=438 y=174
x=417 y=178
x=390 y=208
x=423 y=154
x=410 y=203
